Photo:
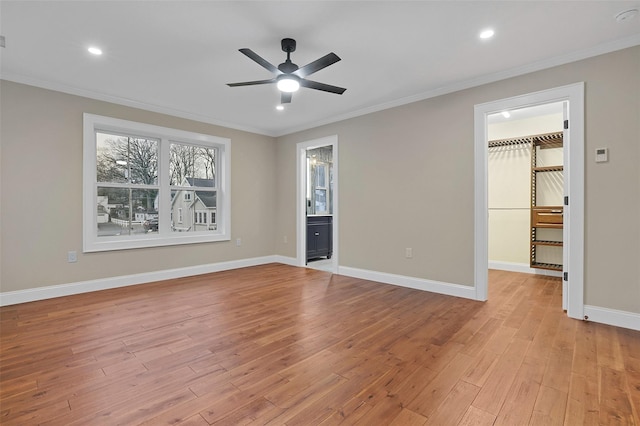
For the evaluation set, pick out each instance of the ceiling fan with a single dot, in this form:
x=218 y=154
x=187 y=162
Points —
x=288 y=76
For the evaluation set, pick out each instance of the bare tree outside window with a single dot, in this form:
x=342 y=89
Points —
x=192 y=171
x=209 y=159
x=191 y=161
x=132 y=164
x=127 y=159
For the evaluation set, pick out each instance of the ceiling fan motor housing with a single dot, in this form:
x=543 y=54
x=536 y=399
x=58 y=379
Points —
x=288 y=45
x=287 y=67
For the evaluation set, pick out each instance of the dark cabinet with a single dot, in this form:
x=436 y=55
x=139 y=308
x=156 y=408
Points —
x=319 y=236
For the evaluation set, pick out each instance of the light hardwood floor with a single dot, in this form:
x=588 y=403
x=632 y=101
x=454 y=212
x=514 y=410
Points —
x=281 y=345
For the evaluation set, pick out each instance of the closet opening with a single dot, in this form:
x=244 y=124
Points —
x=526 y=188
x=571 y=98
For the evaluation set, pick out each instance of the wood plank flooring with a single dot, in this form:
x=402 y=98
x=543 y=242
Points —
x=280 y=345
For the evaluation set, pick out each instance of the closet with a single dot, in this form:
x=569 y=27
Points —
x=525 y=202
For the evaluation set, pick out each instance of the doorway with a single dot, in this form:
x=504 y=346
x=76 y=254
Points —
x=517 y=186
x=317 y=201
x=573 y=152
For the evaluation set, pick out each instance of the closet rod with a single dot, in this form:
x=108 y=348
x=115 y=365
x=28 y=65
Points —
x=507 y=142
x=546 y=140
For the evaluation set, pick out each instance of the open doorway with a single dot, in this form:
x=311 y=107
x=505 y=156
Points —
x=571 y=97
x=317 y=200
x=525 y=165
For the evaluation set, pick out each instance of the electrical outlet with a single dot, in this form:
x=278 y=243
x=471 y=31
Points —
x=72 y=257
x=408 y=253
x=284 y=239
x=238 y=242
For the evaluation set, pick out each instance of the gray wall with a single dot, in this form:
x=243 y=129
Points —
x=41 y=204
x=406 y=180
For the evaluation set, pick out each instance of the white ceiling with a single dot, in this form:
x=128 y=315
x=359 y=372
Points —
x=176 y=57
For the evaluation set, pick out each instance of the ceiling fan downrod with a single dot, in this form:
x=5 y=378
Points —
x=288 y=46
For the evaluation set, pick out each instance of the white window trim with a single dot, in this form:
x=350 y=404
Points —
x=91 y=242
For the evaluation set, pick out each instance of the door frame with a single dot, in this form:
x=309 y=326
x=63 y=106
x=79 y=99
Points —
x=573 y=187
x=301 y=215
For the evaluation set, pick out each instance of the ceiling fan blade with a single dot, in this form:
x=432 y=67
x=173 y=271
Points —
x=321 y=86
x=260 y=60
x=317 y=65
x=285 y=98
x=252 y=83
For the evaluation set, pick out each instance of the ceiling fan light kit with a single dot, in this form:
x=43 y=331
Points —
x=288 y=83
x=288 y=76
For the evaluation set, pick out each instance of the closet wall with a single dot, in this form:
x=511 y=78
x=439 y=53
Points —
x=509 y=190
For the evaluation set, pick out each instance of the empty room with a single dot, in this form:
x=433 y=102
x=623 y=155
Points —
x=319 y=212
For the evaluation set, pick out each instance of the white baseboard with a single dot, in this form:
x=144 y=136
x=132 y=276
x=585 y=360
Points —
x=291 y=261
x=522 y=267
x=417 y=283
x=49 y=292
x=597 y=314
x=614 y=317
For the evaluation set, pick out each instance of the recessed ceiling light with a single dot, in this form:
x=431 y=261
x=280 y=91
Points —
x=280 y=107
x=95 y=51
x=626 y=15
x=488 y=33
x=506 y=114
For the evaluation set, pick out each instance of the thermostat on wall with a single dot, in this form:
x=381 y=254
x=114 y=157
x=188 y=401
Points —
x=602 y=155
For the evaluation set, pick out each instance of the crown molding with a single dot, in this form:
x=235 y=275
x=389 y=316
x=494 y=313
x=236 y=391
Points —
x=60 y=87
x=462 y=85
x=597 y=50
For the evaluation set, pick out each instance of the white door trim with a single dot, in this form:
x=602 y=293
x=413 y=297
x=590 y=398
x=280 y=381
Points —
x=574 y=187
x=301 y=211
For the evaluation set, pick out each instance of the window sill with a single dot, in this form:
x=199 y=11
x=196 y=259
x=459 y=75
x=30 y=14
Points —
x=147 y=241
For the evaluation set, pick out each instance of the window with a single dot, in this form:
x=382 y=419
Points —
x=201 y=217
x=321 y=205
x=202 y=220
x=139 y=178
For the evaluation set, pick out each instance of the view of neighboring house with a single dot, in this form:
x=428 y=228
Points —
x=191 y=210
x=103 y=209
x=113 y=218
x=194 y=210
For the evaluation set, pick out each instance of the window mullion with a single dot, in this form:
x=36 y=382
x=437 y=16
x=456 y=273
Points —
x=164 y=204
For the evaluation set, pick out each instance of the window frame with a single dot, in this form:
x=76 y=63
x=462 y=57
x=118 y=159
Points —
x=164 y=237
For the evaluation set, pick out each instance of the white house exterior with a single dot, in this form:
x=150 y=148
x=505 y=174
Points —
x=193 y=210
